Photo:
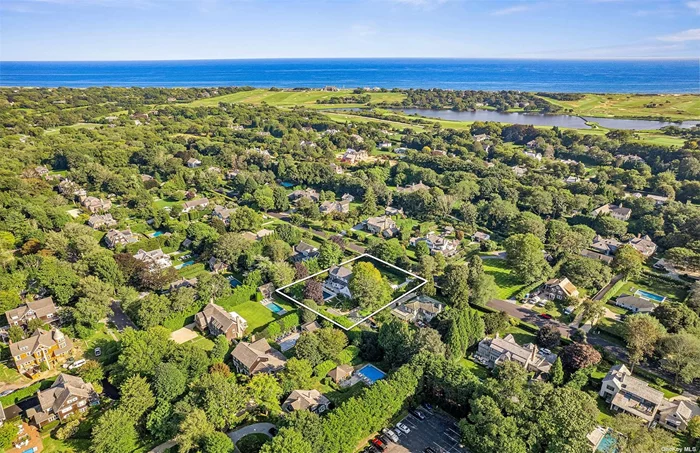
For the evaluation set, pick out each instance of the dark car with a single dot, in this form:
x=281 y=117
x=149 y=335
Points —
x=418 y=414
x=545 y=316
x=384 y=438
x=428 y=407
x=428 y=450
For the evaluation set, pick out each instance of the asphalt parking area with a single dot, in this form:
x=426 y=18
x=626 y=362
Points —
x=438 y=431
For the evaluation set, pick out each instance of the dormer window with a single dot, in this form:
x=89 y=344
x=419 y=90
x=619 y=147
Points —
x=72 y=400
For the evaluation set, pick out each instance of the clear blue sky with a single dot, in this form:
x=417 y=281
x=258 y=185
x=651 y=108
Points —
x=214 y=29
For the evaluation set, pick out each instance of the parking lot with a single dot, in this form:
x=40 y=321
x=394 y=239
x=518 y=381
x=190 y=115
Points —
x=438 y=431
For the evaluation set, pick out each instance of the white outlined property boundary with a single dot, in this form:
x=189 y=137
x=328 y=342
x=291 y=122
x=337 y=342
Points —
x=364 y=255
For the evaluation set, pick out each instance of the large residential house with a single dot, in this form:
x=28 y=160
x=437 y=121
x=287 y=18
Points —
x=481 y=237
x=438 y=243
x=199 y=203
x=382 y=225
x=97 y=221
x=217 y=321
x=495 y=351
x=606 y=246
x=216 y=265
x=616 y=211
x=643 y=245
x=559 y=289
x=257 y=236
x=222 y=213
x=675 y=415
x=311 y=400
x=113 y=238
x=95 y=205
x=413 y=188
x=626 y=393
x=634 y=304
x=43 y=309
x=597 y=256
x=338 y=280
x=309 y=194
x=155 y=259
x=353 y=156
x=329 y=207
x=304 y=251
x=68 y=395
x=257 y=357
x=43 y=347
x=184 y=283
x=421 y=308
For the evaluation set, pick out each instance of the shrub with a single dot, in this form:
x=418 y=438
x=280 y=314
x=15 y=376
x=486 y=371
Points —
x=68 y=429
x=348 y=355
x=323 y=368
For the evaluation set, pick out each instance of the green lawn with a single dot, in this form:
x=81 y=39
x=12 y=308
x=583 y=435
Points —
x=508 y=285
x=477 y=369
x=521 y=336
x=339 y=396
x=674 y=292
x=257 y=315
x=203 y=343
x=306 y=98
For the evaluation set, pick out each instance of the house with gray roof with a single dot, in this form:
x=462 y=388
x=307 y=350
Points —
x=97 y=221
x=199 y=203
x=643 y=245
x=43 y=309
x=257 y=357
x=634 y=304
x=338 y=281
x=497 y=350
x=626 y=393
x=114 y=238
x=310 y=400
x=67 y=396
x=213 y=319
x=618 y=212
x=382 y=225
x=606 y=246
x=304 y=251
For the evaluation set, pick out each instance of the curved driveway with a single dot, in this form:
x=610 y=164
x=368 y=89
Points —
x=260 y=428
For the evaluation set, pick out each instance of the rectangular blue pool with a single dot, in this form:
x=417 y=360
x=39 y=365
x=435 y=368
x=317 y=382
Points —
x=185 y=264
x=608 y=444
x=157 y=233
x=274 y=308
x=649 y=296
x=371 y=373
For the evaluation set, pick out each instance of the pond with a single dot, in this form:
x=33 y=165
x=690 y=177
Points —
x=539 y=119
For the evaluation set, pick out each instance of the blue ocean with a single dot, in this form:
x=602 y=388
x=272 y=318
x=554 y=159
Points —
x=604 y=76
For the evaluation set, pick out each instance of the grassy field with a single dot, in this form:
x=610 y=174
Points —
x=673 y=292
x=631 y=105
x=257 y=315
x=203 y=343
x=292 y=98
x=508 y=285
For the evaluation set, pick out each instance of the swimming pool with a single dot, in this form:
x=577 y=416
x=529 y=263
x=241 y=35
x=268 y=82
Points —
x=274 y=308
x=157 y=233
x=185 y=264
x=607 y=444
x=234 y=282
x=649 y=296
x=371 y=373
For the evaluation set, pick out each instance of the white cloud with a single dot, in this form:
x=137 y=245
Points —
x=511 y=10
x=694 y=5
x=682 y=36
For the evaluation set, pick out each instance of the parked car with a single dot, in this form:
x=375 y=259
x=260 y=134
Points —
x=69 y=362
x=379 y=444
x=391 y=434
x=418 y=414
x=428 y=407
x=384 y=439
x=428 y=450
x=403 y=427
x=6 y=392
x=77 y=364
x=98 y=352
x=545 y=316
x=545 y=351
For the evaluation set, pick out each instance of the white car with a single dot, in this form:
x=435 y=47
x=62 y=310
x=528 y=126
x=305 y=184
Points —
x=76 y=364
x=403 y=427
x=391 y=434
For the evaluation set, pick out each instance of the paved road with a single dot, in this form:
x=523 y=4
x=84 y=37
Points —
x=529 y=316
x=286 y=218
x=119 y=318
x=262 y=428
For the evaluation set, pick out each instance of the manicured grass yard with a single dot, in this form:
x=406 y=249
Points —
x=673 y=292
x=521 y=336
x=257 y=315
x=477 y=369
x=203 y=343
x=508 y=285
x=632 y=105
